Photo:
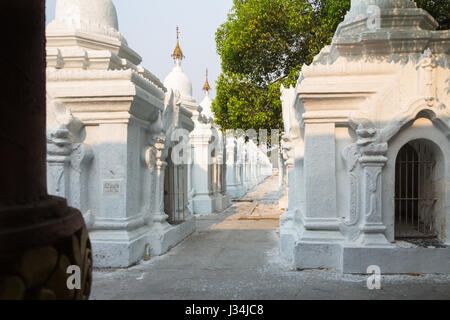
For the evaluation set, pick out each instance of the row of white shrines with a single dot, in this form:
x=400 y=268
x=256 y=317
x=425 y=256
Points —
x=366 y=143
x=112 y=129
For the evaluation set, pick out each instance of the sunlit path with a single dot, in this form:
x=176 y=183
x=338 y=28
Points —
x=235 y=255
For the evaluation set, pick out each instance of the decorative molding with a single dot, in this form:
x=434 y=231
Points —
x=350 y=156
x=427 y=65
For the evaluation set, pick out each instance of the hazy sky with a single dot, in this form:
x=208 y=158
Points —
x=149 y=27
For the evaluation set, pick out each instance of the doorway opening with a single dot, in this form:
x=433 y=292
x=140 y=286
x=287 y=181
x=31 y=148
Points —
x=175 y=191
x=416 y=191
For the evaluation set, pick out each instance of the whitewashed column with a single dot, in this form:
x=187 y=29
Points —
x=232 y=168
x=203 y=202
x=320 y=171
x=372 y=227
x=160 y=217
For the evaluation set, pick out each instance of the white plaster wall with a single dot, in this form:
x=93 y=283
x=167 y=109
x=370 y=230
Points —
x=343 y=139
x=320 y=170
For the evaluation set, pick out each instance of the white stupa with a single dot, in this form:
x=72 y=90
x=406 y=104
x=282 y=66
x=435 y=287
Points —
x=207 y=102
x=99 y=16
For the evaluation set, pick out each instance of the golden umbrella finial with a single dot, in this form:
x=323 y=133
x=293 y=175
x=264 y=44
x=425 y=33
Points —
x=206 y=87
x=177 y=53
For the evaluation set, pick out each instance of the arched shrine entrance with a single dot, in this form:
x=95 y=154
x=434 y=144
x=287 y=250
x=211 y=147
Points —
x=418 y=176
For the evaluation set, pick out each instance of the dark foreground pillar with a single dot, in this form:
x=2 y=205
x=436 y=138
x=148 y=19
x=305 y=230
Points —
x=40 y=236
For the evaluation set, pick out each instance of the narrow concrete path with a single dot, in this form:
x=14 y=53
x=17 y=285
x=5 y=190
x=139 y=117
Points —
x=235 y=255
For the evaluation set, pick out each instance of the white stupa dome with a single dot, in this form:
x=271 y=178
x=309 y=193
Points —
x=178 y=80
x=97 y=16
x=206 y=106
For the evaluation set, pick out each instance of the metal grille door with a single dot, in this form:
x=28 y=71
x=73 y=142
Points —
x=175 y=192
x=414 y=192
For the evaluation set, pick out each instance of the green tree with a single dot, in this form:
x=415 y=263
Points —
x=243 y=104
x=439 y=9
x=264 y=43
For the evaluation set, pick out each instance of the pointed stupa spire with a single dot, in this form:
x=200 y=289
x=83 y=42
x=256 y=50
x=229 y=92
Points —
x=177 y=79
x=177 y=53
x=206 y=86
x=207 y=102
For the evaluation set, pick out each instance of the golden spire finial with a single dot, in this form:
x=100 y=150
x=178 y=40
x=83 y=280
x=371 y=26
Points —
x=206 y=87
x=177 y=53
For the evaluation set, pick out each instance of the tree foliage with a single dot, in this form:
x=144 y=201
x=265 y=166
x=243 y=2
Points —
x=264 y=43
x=439 y=9
x=242 y=104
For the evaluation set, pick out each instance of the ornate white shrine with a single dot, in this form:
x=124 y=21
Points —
x=367 y=147
x=218 y=153
x=114 y=132
x=109 y=120
x=201 y=167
